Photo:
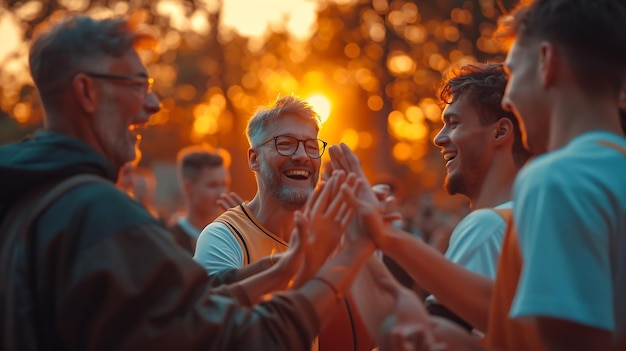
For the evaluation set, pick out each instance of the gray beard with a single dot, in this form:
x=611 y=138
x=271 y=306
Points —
x=290 y=198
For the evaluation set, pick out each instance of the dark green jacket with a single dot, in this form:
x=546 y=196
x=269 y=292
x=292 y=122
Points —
x=98 y=272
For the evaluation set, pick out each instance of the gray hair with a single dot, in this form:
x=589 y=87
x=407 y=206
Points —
x=63 y=47
x=286 y=105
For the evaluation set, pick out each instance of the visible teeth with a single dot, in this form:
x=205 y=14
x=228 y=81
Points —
x=448 y=157
x=297 y=172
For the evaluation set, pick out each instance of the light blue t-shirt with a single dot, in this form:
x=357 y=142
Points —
x=570 y=216
x=476 y=241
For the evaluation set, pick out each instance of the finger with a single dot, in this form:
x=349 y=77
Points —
x=382 y=191
x=338 y=202
x=353 y=163
x=340 y=178
x=313 y=198
x=223 y=205
x=338 y=159
x=323 y=198
x=349 y=195
x=237 y=199
x=346 y=219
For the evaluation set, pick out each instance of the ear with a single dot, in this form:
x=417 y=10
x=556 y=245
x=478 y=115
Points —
x=503 y=131
x=548 y=62
x=253 y=159
x=85 y=92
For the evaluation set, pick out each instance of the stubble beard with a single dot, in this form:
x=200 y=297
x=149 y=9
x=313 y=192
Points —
x=452 y=185
x=468 y=183
x=291 y=198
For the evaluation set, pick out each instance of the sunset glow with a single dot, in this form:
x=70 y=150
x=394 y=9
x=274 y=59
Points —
x=321 y=105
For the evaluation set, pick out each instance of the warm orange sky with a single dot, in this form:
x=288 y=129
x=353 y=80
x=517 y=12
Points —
x=248 y=17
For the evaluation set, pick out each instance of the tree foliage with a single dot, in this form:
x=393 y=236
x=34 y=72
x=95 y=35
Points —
x=377 y=61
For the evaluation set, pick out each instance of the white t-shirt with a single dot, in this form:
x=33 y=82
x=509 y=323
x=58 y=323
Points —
x=570 y=216
x=217 y=249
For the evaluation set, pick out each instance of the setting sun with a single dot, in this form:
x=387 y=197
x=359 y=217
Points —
x=321 y=105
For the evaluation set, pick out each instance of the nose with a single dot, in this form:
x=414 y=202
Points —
x=300 y=152
x=441 y=139
x=151 y=103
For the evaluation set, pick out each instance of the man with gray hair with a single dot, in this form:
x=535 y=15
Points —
x=285 y=154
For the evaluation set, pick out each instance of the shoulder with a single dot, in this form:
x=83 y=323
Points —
x=215 y=237
x=478 y=227
x=481 y=219
x=215 y=228
x=102 y=206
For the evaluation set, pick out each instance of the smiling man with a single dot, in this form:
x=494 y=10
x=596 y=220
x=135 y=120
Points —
x=285 y=154
x=482 y=146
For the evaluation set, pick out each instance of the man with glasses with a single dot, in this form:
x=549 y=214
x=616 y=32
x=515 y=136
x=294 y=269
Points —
x=285 y=154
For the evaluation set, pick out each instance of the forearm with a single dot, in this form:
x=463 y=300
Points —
x=234 y=275
x=377 y=304
x=264 y=282
x=466 y=293
x=253 y=269
x=339 y=272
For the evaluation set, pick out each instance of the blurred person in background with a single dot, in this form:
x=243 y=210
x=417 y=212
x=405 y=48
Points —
x=204 y=178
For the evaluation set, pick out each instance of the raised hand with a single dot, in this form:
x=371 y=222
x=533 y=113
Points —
x=290 y=262
x=407 y=326
x=328 y=213
x=370 y=220
x=229 y=200
x=387 y=202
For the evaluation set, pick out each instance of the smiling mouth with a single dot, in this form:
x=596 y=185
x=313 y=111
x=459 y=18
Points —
x=297 y=174
x=449 y=156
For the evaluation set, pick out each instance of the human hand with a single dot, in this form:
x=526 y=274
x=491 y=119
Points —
x=290 y=262
x=229 y=200
x=387 y=202
x=329 y=215
x=364 y=200
x=408 y=325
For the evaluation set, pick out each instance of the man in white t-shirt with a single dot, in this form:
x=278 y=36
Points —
x=285 y=154
x=482 y=146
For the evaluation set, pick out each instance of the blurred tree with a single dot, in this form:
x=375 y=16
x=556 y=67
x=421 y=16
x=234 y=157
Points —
x=378 y=61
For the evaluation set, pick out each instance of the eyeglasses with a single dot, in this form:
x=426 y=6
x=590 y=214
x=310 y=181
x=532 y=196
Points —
x=287 y=145
x=144 y=84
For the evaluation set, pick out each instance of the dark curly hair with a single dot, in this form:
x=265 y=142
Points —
x=484 y=85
